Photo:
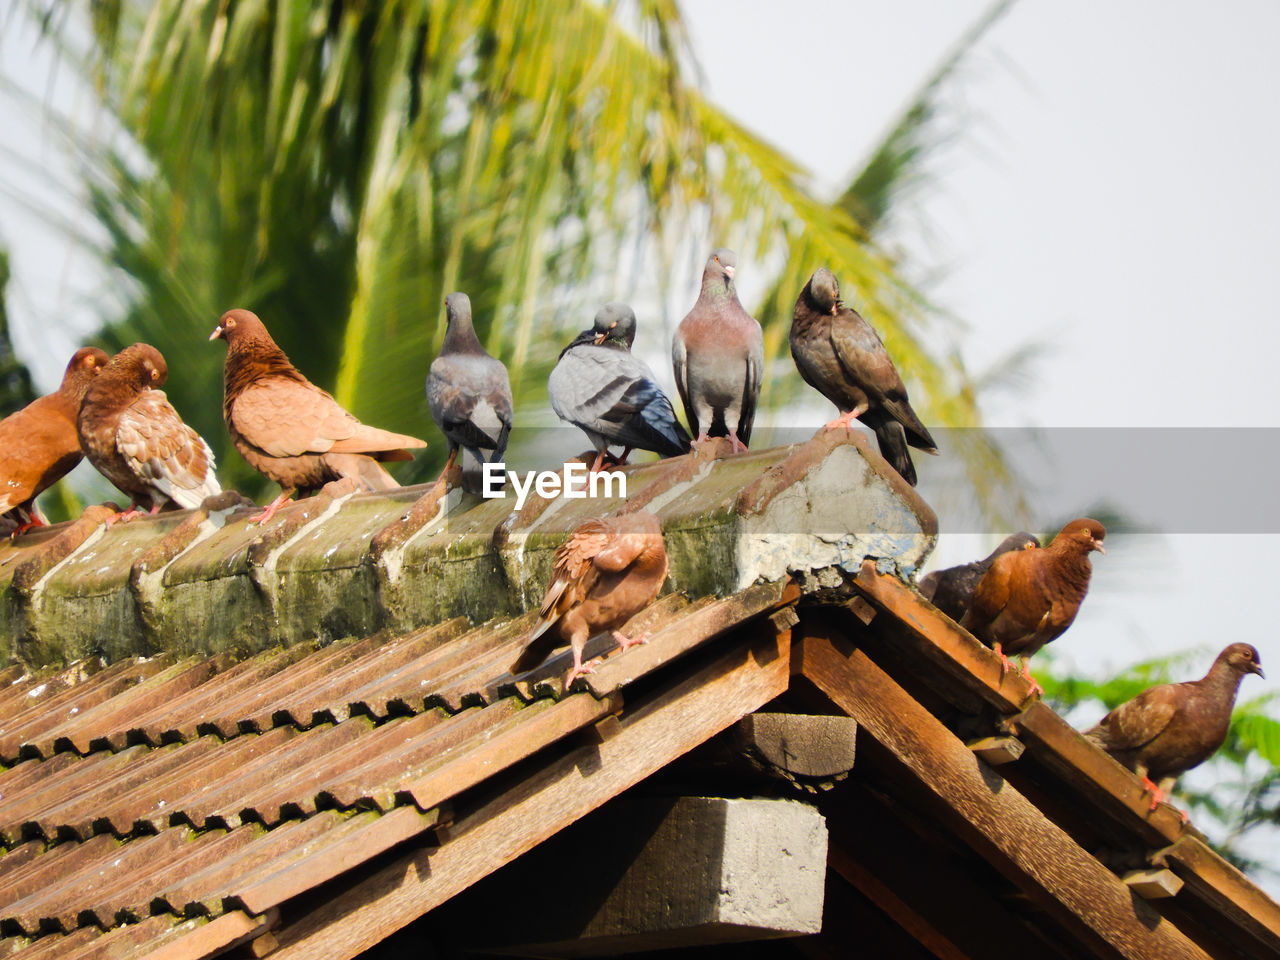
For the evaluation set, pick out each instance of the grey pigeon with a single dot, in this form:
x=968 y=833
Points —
x=842 y=357
x=951 y=590
x=610 y=395
x=467 y=390
x=718 y=353
x=1165 y=731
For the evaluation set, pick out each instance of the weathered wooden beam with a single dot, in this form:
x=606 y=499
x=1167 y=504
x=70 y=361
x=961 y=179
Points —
x=1225 y=890
x=997 y=751
x=648 y=736
x=799 y=745
x=941 y=642
x=655 y=874
x=1153 y=884
x=1102 y=780
x=993 y=818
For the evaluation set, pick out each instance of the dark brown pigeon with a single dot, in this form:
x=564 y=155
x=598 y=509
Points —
x=39 y=445
x=604 y=574
x=718 y=355
x=135 y=439
x=842 y=357
x=290 y=430
x=611 y=395
x=951 y=590
x=467 y=390
x=1163 y=732
x=1029 y=597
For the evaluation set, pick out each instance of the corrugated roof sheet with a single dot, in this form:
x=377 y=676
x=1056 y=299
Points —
x=151 y=794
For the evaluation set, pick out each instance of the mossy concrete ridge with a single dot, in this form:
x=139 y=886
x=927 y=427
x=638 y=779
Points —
x=206 y=581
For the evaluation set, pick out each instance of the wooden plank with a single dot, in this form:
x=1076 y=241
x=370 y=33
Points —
x=993 y=818
x=258 y=893
x=997 y=751
x=1103 y=781
x=478 y=763
x=1225 y=889
x=669 y=724
x=683 y=635
x=941 y=642
x=215 y=937
x=1153 y=884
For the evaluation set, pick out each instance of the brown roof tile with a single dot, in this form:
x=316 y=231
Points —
x=207 y=787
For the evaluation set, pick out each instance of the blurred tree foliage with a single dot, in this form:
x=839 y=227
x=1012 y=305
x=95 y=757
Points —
x=16 y=390
x=339 y=167
x=1241 y=789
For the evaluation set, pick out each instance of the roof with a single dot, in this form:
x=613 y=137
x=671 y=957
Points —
x=310 y=798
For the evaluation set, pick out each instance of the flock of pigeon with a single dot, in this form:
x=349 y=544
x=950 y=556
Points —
x=111 y=410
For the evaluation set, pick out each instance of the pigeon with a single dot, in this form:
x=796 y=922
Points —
x=468 y=390
x=604 y=574
x=1029 y=597
x=718 y=355
x=951 y=590
x=1165 y=731
x=842 y=357
x=135 y=438
x=612 y=396
x=290 y=430
x=39 y=445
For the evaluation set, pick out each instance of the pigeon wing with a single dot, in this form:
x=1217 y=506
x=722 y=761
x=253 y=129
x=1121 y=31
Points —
x=164 y=452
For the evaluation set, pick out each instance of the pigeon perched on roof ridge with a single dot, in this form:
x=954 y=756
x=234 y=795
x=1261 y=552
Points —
x=608 y=570
x=718 y=357
x=135 y=438
x=1166 y=730
x=1028 y=598
x=951 y=590
x=841 y=356
x=611 y=395
x=468 y=390
x=290 y=430
x=39 y=444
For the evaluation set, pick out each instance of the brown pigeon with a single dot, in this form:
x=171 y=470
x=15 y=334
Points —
x=951 y=590
x=1163 y=732
x=718 y=355
x=290 y=430
x=1029 y=597
x=604 y=574
x=39 y=445
x=136 y=440
x=468 y=391
x=841 y=356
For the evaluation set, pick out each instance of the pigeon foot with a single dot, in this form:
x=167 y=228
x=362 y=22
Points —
x=578 y=670
x=272 y=507
x=626 y=643
x=1036 y=689
x=1156 y=793
x=24 y=527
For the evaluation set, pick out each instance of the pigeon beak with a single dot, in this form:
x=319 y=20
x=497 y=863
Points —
x=1097 y=545
x=1256 y=668
x=601 y=338
x=728 y=272
x=217 y=332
